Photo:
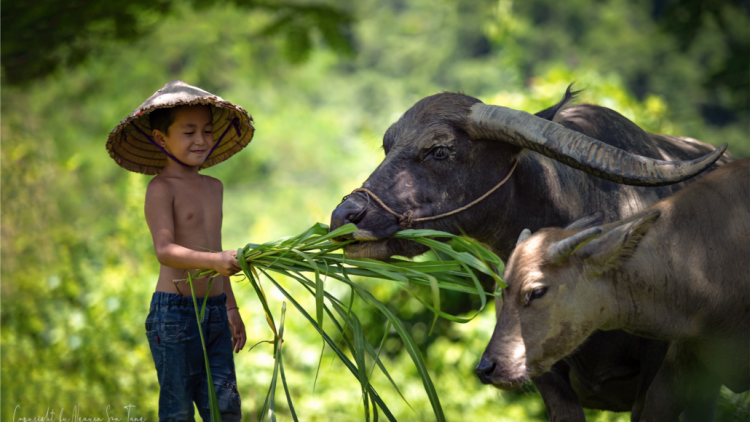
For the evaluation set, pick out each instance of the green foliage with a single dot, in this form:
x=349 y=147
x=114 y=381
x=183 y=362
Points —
x=689 y=20
x=38 y=36
x=314 y=251
x=41 y=36
x=77 y=261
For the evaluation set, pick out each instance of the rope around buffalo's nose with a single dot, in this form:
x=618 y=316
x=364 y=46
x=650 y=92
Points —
x=406 y=219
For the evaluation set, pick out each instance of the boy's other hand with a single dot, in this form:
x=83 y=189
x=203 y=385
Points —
x=226 y=263
x=237 y=327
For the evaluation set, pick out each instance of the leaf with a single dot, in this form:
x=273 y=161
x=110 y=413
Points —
x=414 y=233
x=319 y=287
x=205 y=299
x=352 y=368
x=269 y=406
x=414 y=353
x=213 y=402
x=382 y=341
x=259 y=291
x=345 y=229
x=459 y=261
x=286 y=389
x=359 y=358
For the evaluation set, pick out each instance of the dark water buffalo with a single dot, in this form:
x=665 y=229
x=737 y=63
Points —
x=676 y=271
x=449 y=149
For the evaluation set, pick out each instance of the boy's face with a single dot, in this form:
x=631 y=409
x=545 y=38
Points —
x=190 y=136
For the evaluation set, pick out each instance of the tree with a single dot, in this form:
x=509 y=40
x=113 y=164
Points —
x=39 y=37
x=686 y=20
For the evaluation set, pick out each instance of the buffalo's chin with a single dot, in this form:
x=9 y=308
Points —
x=509 y=385
x=383 y=249
x=374 y=250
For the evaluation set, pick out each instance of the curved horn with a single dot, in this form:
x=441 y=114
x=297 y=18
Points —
x=560 y=251
x=580 y=151
x=525 y=233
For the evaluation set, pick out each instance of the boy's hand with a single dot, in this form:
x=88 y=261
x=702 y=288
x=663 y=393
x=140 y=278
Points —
x=237 y=327
x=226 y=263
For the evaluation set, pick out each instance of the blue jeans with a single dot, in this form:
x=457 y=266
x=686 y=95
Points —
x=172 y=331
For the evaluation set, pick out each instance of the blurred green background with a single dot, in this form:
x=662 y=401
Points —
x=323 y=81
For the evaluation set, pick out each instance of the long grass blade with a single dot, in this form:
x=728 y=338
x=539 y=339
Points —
x=359 y=358
x=455 y=266
x=205 y=299
x=213 y=402
x=376 y=358
x=259 y=291
x=320 y=363
x=286 y=389
x=269 y=407
x=319 y=287
x=348 y=363
x=345 y=313
x=414 y=353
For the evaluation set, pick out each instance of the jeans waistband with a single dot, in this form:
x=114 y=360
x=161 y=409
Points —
x=173 y=299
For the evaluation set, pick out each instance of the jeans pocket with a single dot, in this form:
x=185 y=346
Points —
x=154 y=343
x=174 y=331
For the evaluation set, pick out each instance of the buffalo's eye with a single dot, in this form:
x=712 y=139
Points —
x=440 y=153
x=534 y=294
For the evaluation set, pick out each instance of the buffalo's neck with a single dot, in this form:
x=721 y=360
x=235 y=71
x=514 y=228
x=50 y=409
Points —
x=687 y=277
x=646 y=301
x=547 y=193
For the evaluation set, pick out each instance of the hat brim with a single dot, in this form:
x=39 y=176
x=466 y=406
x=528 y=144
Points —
x=129 y=145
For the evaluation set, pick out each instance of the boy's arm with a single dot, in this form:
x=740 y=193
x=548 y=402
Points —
x=159 y=216
x=239 y=337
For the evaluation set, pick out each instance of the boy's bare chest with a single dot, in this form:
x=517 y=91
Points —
x=197 y=208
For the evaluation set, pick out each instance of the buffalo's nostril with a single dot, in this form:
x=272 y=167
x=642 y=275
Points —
x=348 y=211
x=484 y=370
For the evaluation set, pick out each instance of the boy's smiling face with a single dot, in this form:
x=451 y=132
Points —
x=190 y=137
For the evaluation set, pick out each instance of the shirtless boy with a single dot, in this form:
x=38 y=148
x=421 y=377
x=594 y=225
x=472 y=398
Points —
x=176 y=132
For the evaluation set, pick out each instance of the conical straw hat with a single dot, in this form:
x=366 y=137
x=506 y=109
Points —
x=130 y=144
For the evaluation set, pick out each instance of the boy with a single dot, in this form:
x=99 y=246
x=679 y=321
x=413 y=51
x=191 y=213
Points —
x=176 y=132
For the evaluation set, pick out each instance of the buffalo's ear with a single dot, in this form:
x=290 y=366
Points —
x=525 y=233
x=551 y=113
x=560 y=251
x=587 y=221
x=616 y=246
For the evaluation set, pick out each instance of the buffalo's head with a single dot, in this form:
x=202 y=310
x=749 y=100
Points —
x=432 y=166
x=560 y=290
x=450 y=149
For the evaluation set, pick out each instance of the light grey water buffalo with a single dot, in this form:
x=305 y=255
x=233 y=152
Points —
x=677 y=271
x=450 y=149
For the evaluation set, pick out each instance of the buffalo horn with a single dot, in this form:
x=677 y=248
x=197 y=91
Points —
x=560 y=251
x=578 y=150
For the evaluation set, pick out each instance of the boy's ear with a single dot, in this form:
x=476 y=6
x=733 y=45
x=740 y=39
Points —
x=158 y=137
x=617 y=246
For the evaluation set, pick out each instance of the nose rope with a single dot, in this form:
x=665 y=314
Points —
x=406 y=219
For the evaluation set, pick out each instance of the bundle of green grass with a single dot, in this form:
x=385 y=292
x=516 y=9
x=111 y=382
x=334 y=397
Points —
x=312 y=257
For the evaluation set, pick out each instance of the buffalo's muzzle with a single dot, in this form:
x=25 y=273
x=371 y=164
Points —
x=484 y=370
x=349 y=211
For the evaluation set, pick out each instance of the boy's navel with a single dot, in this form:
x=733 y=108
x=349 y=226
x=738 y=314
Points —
x=189 y=216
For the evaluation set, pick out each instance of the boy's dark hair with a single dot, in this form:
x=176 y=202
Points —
x=162 y=119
